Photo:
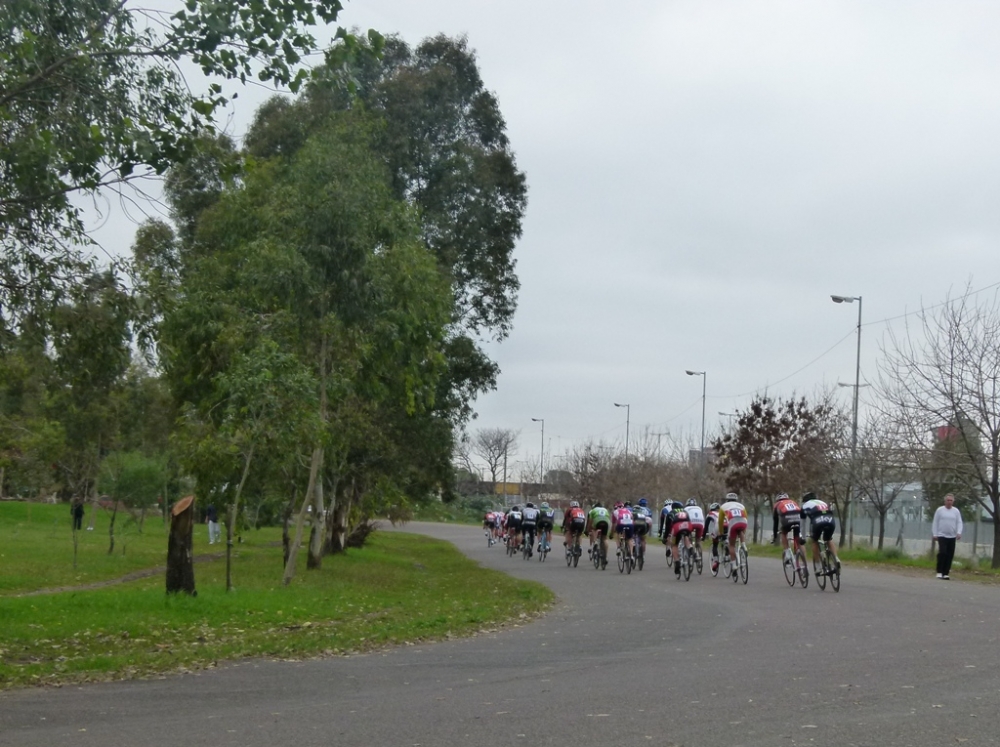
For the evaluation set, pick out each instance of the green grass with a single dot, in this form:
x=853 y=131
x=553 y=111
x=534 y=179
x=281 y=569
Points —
x=399 y=588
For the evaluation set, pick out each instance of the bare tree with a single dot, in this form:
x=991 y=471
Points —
x=886 y=462
x=946 y=374
x=495 y=446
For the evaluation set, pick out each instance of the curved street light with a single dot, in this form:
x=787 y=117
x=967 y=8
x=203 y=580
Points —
x=541 y=453
x=854 y=423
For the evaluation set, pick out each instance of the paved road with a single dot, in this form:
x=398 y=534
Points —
x=630 y=660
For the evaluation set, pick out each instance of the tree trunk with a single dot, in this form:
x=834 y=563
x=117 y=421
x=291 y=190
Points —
x=111 y=529
x=315 y=558
x=294 y=550
x=996 y=542
x=234 y=511
x=881 y=528
x=286 y=543
x=180 y=557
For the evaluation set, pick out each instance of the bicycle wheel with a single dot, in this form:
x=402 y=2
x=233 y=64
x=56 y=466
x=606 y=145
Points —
x=834 y=575
x=642 y=557
x=820 y=571
x=744 y=564
x=801 y=568
x=715 y=564
x=630 y=562
x=727 y=565
x=595 y=556
x=670 y=556
x=621 y=558
x=577 y=552
x=788 y=566
x=604 y=555
x=699 y=560
x=687 y=561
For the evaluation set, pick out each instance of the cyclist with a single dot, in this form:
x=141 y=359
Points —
x=529 y=520
x=514 y=525
x=697 y=518
x=666 y=514
x=680 y=531
x=599 y=524
x=624 y=523
x=574 y=523
x=643 y=522
x=733 y=517
x=822 y=524
x=713 y=530
x=546 y=520
x=787 y=518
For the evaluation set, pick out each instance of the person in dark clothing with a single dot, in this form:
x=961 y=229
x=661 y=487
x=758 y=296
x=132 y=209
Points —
x=76 y=511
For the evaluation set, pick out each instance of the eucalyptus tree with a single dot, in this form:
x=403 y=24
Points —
x=315 y=254
x=92 y=96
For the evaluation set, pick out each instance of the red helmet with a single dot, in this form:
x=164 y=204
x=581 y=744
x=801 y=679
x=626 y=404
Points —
x=619 y=504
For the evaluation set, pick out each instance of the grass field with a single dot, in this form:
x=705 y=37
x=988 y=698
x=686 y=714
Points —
x=399 y=588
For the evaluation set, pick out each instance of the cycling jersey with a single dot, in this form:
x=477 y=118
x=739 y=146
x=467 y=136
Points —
x=599 y=518
x=575 y=518
x=787 y=516
x=680 y=523
x=546 y=518
x=822 y=521
x=734 y=518
x=529 y=516
x=643 y=520
x=712 y=524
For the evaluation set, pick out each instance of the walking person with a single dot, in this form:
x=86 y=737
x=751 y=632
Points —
x=214 y=533
x=947 y=530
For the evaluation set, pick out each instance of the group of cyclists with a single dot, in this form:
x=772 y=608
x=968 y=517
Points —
x=679 y=523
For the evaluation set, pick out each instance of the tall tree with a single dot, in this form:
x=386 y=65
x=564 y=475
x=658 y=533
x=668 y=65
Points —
x=92 y=96
x=947 y=374
x=886 y=462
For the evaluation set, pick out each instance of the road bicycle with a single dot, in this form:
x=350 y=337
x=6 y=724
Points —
x=742 y=571
x=826 y=568
x=794 y=564
x=529 y=542
x=715 y=559
x=626 y=559
x=685 y=559
x=511 y=541
x=640 y=553
x=599 y=553
x=543 y=548
x=573 y=550
x=696 y=555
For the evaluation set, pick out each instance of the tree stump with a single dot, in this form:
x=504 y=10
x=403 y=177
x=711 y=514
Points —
x=180 y=555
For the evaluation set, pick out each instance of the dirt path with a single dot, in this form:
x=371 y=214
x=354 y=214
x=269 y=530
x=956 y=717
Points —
x=133 y=576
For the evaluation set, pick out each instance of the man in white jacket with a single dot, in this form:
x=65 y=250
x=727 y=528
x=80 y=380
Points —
x=947 y=530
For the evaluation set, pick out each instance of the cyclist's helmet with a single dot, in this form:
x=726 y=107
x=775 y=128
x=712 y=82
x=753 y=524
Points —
x=598 y=505
x=732 y=497
x=619 y=504
x=782 y=497
x=714 y=507
x=678 y=504
x=529 y=504
x=574 y=504
x=691 y=502
x=545 y=505
x=515 y=507
x=810 y=496
x=643 y=502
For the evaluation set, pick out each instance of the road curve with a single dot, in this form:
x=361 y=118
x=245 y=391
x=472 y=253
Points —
x=631 y=660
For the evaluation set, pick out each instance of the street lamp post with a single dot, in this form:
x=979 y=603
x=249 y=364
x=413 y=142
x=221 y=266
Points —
x=854 y=422
x=628 y=418
x=541 y=454
x=704 y=384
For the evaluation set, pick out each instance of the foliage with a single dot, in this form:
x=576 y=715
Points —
x=133 y=478
x=777 y=446
x=92 y=95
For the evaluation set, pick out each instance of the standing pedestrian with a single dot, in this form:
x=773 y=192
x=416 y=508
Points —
x=947 y=530
x=76 y=511
x=213 y=525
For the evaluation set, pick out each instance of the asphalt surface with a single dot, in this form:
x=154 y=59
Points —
x=638 y=659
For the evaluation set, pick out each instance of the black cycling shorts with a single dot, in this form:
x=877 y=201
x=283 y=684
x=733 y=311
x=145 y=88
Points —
x=822 y=528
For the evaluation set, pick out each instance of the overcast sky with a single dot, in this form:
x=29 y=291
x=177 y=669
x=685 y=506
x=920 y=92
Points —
x=703 y=175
